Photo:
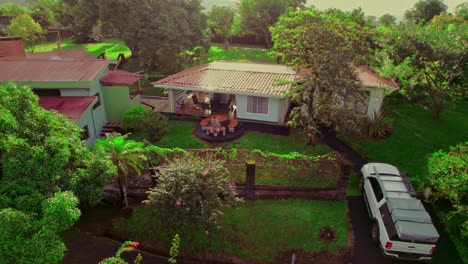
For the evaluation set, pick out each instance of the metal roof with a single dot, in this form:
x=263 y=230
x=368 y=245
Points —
x=71 y=106
x=50 y=71
x=119 y=77
x=233 y=77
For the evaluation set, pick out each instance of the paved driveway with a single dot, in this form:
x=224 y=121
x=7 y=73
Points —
x=365 y=251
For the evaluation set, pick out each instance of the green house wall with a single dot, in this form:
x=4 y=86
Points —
x=118 y=101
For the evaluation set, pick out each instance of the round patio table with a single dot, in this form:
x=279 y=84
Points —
x=205 y=122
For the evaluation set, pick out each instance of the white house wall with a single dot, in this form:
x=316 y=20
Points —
x=271 y=116
x=375 y=101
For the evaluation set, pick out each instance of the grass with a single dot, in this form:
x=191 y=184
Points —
x=353 y=186
x=254 y=230
x=416 y=135
x=180 y=136
x=112 y=47
x=278 y=144
x=240 y=53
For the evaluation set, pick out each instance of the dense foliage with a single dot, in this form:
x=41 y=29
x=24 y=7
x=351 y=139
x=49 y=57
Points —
x=448 y=175
x=221 y=20
x=326 y=45
x=41 y=157
x=429 y=60
x=29 y=30
x=424 y=10
x=145 y=124
x=192 y=192
x=257 y=16
x=157 y=31
x=29 y=238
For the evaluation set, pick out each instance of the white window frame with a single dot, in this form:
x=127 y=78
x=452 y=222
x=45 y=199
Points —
x=257 y=105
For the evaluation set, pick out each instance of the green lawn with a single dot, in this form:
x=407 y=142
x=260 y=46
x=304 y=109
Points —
x=415 y=136
x=112 y=47
x=241 y=53
x=255 y=230
x=180 y=136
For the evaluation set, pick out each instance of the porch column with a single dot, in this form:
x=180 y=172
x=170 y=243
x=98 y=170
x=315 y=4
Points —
x=172 y=101
x=375 y=101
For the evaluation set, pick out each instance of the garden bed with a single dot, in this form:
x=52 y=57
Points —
x=292 y=169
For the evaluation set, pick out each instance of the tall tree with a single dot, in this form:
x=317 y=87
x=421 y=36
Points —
x=257 y=16
x=42 y=159
x=220 y=20
x=429 y=61
x=425 y=10
x=325 y=45
x=29 y=30
x=387 y=20
x=126 y=155
x=157 y=31
x=81 y=16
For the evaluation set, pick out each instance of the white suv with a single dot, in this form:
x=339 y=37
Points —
x=401 y=226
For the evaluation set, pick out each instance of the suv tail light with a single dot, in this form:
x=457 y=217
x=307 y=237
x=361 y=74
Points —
x=388 y=245
x=432 y=249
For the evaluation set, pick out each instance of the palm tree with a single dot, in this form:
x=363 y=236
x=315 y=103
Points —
x=126 y=155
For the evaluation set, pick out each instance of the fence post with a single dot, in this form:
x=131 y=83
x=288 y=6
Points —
x=250 y=179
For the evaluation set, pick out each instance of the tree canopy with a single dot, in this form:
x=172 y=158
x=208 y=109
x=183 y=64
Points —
x=220 y=20
x=29 y=30
x=326 y=46
x=43 y=165
x=157 y=31
x=13 y=10
x=428 y=60
x=425 y=10
x=387 y=20
x=257 y=16
x=448 y=175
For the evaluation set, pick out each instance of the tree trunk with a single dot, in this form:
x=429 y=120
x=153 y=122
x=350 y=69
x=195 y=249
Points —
x=226 y=43
x=123 y=193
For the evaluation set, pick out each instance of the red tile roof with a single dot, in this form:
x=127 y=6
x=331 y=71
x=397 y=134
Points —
x=234 y=77
x=119 y=77
x=50 y=71
x=71 y=106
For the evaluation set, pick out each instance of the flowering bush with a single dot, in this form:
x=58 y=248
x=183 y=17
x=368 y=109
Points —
x=127 y=246
x=191 y=191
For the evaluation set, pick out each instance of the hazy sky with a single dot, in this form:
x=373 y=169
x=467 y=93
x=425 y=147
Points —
x=376 y=7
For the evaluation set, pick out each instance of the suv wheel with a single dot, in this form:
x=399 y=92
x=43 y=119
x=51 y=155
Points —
x=375 y=232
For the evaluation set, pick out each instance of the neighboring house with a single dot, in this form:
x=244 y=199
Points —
x=69 y=81
x=258 y=90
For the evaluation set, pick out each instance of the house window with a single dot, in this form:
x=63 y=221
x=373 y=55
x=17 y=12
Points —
x=98 y=103
x=85 y=133
x=47 y=92
x=257 y=105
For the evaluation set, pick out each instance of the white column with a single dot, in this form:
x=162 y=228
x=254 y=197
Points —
x=172 y=101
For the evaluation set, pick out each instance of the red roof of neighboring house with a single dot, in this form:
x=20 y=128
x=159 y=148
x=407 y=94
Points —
x=366 y=74
x=71 y=106
x=47 y=71
x=119 y=77
x=247 y=78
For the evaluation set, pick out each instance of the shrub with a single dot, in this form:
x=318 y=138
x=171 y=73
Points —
x=379 y=125
x=191 y=191
x=144 y=124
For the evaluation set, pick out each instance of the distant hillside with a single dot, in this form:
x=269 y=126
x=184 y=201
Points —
x=208 y=4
